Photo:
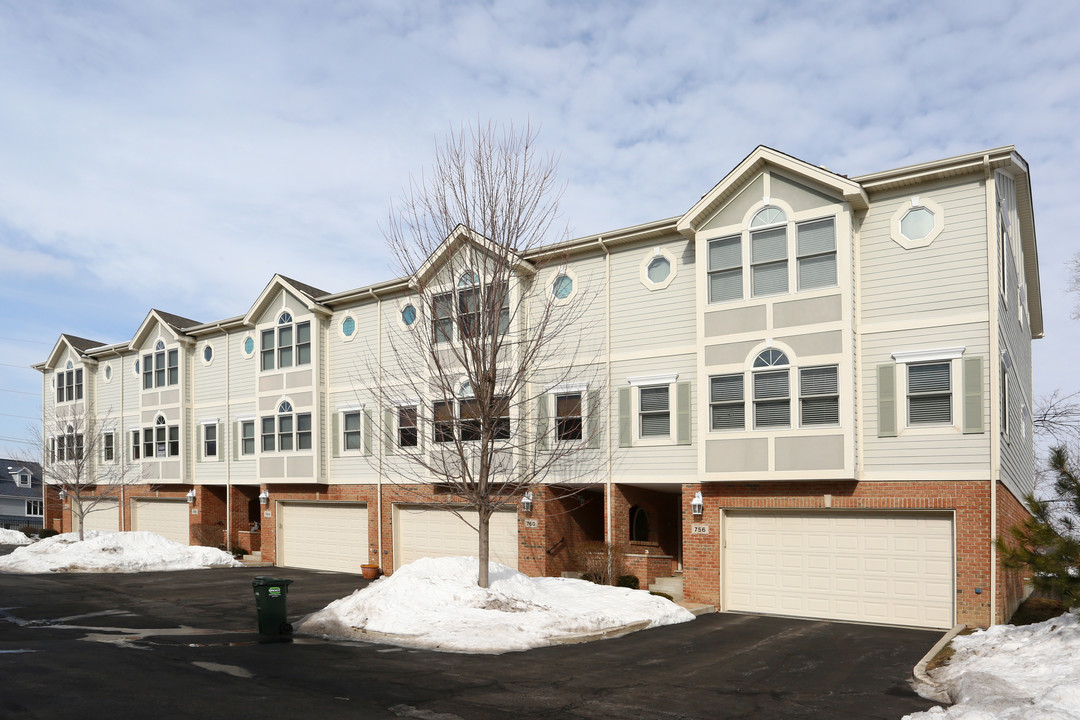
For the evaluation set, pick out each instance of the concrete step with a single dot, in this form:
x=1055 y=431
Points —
x=672 y=586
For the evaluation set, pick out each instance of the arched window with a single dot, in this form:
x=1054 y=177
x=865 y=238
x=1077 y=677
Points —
x=160 y=345
x=286 y=346
x=284 y=319
x=772 y=389
x=639 y=524
x=770 y=358
x=768 y=215
x=468 y=279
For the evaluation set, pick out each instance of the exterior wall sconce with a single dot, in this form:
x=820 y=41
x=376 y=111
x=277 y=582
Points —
x=697 y=505
x=526 y=502
x=63 y=495
x=264 y=497
x=191 y=496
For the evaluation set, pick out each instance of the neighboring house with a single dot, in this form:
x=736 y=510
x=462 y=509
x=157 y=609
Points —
x=817 y=402
x=22 y=502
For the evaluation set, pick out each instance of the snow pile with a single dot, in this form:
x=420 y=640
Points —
x=13 y=537
x=120 y=552
x=435 y=603
x=1013 y=673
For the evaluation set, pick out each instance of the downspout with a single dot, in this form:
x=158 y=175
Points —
x=223 y=447
x=995 y=387
x=382 y=450
x=607 y=362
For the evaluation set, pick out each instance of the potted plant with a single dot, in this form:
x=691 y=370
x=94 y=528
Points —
x=370 y=570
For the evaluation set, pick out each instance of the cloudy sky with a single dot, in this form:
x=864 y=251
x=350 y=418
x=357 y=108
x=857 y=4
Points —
x=177 y=154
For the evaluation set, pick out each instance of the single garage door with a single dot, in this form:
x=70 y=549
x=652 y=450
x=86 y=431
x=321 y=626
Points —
x=322 y=535
x=883 y=568
x=168 y=518
x=104 y=516
x=421 y=531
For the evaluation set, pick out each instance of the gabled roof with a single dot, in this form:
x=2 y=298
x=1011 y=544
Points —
x=306 y=293
x=761 y=158
x=174 y=324
x=9 y=469
x=78 y=345
x=462 y=236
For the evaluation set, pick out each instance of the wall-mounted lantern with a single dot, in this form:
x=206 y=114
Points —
x=697 y=505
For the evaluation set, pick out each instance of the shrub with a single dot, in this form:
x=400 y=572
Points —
x=662 y=594
x=47 y=533
x=628 y=581
x=599 y=562
x=30 y=530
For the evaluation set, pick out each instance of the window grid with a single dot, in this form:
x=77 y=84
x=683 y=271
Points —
x=407 y=429
x=69 y=385
x=819 y=396
x=655 y=411
x=930 y=393
x=727 y=410
x=568 y=416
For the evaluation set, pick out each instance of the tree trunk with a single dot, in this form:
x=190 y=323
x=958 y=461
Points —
x=482 y=527
x=82 y=525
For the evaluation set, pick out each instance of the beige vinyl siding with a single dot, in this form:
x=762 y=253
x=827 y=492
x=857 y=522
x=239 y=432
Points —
x=587 y=303
x=644 y=319
x=209 y=381
x=948 y=277
x=349 y=362
x=938 y=452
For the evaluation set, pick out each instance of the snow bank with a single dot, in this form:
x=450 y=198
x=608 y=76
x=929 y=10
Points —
x=120 y=552
x=13 y=537
x=434 y=603
x=1013 y=673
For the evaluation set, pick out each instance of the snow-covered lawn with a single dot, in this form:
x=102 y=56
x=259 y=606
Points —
x=119 y=552
x=434 y=603
x=13 y=537
x=1013 y=673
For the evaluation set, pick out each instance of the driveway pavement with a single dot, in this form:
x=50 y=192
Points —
x=183 y=645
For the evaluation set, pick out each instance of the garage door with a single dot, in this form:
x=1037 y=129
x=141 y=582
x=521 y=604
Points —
x=323 y=536
x=104 y=516
x=885 y=568
x=168 y=518
x=421 y=531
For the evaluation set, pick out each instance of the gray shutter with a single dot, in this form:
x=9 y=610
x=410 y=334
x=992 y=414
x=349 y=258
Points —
x=543 y=423
x=221 y=442
x=973 y=394
x=335 y=434
x=367 y=432
x=388 y=432
x=236 y=440
x=626 y=426
x=682 y=413
x=200 y=442
x=886 y=403
x=593 y=419
x=125 y=438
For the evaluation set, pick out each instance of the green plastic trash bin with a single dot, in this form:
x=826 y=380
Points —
x=270 y=594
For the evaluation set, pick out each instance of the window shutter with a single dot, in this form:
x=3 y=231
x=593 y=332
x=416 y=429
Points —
x=388 y=432
x=973 y=395
x=200 y=442
x=335 y=432
x=886 y=403
x=221 y=442
x=367 y=432
x=593 y=419
x=543 y=430
x=626 y=426
x=682 y=422
x=126 y=439
x=236 y=441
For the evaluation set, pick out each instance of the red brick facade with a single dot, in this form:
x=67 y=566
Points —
x=1010 y=585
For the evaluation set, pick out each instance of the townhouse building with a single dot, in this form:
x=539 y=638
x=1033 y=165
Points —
x=812 y=396
x=21 y=497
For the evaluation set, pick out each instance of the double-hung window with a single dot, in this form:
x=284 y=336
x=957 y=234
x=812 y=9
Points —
x=471 y=419
x=108 y=446
x=772 y=390
x=768 y=261
x=161 y=440
x=408 y=436
x=351 y=424
x=69 y=446
x=654 y=411
x=69 y=384
x=210 y=440
x=35 y=508
x=725 y=269
x=929 y=393
x=819 y=396
x=816 y=251
x=286 y=345
x=480 y=308
x=136 y=446
x=568 y=416
x=286 y=431
x=247 y=437
x=727 y=402
x=161 y=367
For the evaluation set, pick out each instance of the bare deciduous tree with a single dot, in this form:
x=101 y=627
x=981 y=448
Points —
x=83 y=460
x=491 y=384
x=1057 y=415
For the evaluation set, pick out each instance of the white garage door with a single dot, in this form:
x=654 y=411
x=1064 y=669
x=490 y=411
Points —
x=884 y=568
x=104 y=516
x=167 y=518
x=322 y=536
x=421 y=531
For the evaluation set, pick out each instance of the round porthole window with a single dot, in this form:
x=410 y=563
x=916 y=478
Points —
x=108 y=373
x=408 y=315
x=136 y=367
x=562 y=287
x=348 y=327
x=249 y=346
x=659 y=270
x=207 y=354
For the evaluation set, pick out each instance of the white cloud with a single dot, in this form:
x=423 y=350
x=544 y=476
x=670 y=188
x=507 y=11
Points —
x=176 y=155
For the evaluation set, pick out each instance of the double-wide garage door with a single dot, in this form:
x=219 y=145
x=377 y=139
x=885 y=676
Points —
x=875 y=567
x=105 y=515
x=421 y=531
x=168 y=518
x=322 y=535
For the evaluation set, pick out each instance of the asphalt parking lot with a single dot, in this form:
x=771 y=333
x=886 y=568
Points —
x=183 y=645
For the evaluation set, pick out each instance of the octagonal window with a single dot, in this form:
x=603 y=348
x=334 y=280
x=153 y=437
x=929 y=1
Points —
x=562 y=287
x=917 y=223
x=348 y=327
x=408 y=315
x=659 y=269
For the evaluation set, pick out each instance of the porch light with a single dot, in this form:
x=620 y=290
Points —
x=63 y=495
x=191 y=496
x=264 y=497
x=526 y=502
x=697 y=505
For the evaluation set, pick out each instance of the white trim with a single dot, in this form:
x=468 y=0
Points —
x=246 y=418
x=202 y=354
x=350 y=408
x=207 y=421
x=918 y=356
x=414 y=303
x=665 y=379
x=341 y=326
x=254 y=345
x=907 y=206
x=566 y=388
x=107 y=373
x=643 y=268
x=550 y=284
